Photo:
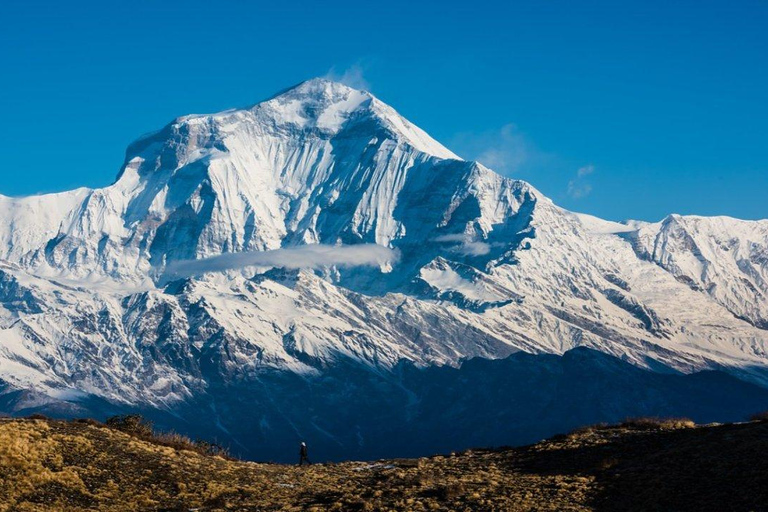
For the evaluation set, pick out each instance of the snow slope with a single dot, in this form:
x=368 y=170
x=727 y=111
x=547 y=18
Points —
x=485 y=265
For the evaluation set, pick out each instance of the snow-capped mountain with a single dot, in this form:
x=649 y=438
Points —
x=320 y=228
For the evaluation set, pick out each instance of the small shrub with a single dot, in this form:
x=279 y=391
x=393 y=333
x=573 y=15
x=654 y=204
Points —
x=133 y=424
x=608 y=463
x=657 y=423
x=173 y=440
x=217 y=502
x=358 y=504
x=760 y=416
x=591 y=428
x=450 y=491
x=209 y=448
x=38 y=416
x=88 y=421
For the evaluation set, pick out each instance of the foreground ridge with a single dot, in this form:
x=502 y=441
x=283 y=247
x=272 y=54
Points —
x=638 y=465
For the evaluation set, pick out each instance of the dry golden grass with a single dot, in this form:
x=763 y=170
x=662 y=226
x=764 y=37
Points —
x=141 y=428
x=644 y=423
x=72 y=466
x=658 y=423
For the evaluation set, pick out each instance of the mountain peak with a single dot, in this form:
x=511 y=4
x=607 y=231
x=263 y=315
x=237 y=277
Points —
x=320 y=85
x=327 y=105
x=317 y=103
x=318 y=106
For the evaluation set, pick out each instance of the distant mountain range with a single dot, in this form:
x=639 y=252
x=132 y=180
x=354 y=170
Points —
x=316 y=266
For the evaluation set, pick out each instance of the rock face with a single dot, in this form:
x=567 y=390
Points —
x=93 y=308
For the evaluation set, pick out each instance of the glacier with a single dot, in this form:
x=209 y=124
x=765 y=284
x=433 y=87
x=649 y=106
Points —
x=319 y=230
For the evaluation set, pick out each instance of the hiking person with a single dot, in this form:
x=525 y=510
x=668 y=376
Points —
x=303 y=454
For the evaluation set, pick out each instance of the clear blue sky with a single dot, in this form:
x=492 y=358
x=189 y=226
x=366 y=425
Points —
x=620 y=109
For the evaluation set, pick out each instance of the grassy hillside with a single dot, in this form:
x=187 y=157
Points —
x=58 y=465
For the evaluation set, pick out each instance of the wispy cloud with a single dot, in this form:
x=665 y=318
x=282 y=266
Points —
x=510 y=152
x=585 y=171
x=474 y=248
x=463 y=244
x=505 y=150
x=353 y=76
x=453 y=237
x=303 y=256
x=578 y=187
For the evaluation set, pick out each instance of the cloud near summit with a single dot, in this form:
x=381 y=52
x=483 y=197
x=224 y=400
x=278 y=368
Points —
x=303 y=256
x=578 y=187
x=353 y=76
